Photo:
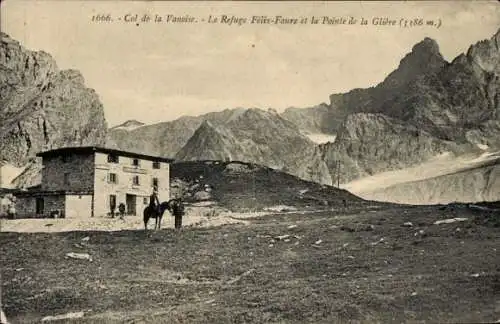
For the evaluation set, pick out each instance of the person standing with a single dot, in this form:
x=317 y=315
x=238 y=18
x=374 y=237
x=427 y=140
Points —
x=121 y=210
x=11 y=209
x=178 y=211
x=112 y=207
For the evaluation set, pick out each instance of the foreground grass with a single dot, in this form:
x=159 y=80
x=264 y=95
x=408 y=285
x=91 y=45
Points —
x=242 y=274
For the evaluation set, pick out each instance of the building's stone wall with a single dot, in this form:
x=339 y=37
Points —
x=125 y=171
x=78 y=168
x=26 y=206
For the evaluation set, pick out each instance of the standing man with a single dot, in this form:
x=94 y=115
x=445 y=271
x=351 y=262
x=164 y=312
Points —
x=178 y=211
x=11 y=208
x=112 y=207
x=121 y=209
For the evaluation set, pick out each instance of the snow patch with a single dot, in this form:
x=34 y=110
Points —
x=483 y=147
x=320 y=138
x=129 y=125
x=280 y=208
x=127 y=128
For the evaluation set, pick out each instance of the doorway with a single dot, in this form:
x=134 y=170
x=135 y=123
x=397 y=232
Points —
x=131 y=202
x=39 y=206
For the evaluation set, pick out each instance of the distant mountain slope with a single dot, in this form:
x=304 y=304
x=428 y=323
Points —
x=165 y=138
x=246 y=186
x=259 y=137
x=42 y=107
x=314 y=120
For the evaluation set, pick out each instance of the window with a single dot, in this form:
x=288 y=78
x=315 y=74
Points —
x=39 y=206
x=112 y=178
x=156 y=165
x=66 y=179
x=112 y=158
x=145 y=200
x=155 y=182
x=112 y=201
x=135 y=180
x=135 y=162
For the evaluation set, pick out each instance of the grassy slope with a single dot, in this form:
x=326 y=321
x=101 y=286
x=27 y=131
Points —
x=184 y=277
x=242 y=186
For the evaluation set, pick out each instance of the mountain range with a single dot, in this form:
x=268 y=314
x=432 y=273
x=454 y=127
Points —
x=424 y=108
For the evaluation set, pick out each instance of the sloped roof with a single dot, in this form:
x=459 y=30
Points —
x=92 y=149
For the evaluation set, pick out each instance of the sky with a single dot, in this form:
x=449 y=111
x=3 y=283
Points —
x=155 y=72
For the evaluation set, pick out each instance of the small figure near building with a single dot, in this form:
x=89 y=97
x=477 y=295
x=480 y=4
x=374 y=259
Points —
x=121 y=210
x=11 y=211
x=112 y=206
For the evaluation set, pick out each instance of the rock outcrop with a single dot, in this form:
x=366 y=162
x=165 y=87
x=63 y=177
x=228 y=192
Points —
x=42 y=107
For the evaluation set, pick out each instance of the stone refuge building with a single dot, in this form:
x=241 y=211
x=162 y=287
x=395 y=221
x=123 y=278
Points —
x=86 y=181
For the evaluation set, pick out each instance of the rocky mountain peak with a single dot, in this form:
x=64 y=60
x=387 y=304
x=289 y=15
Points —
x=206 y=125
x=426 y=46
x=38 y=104
x=486 y=53
x=423 y=59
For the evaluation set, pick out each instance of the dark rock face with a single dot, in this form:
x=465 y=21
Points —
x=42 y=107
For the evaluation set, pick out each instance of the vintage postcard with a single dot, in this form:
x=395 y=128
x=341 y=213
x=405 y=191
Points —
x=249 y=162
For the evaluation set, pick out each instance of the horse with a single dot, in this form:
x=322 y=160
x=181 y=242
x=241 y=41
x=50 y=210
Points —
x=157 y=215
x=174 y=206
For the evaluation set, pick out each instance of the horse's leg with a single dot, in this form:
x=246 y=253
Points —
x=146 y=219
